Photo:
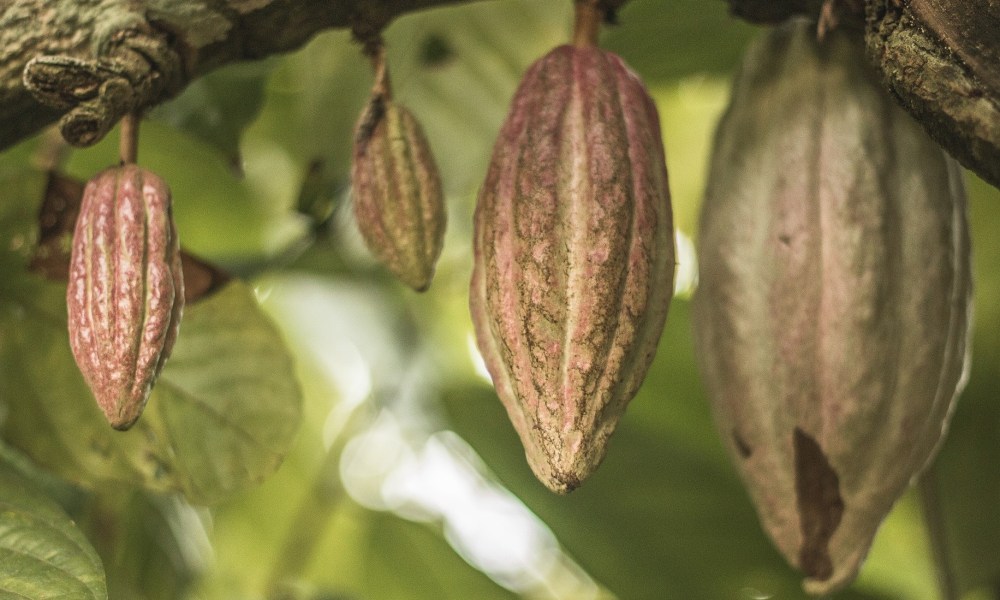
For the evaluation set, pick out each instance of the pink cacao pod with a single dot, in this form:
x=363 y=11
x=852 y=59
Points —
x=574 y=257
x=398 y=201
x=126 y=288
x=833 y=310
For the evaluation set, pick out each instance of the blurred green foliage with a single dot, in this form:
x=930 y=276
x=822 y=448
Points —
x=38 y=538
x=173 y=507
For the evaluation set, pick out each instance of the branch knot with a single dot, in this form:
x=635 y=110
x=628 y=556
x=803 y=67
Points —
x=135 y=69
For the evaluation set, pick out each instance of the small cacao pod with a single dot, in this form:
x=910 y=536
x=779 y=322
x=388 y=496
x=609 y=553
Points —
x=833 y=310
x=574 y=257
x=126 y=288
x=398 y=201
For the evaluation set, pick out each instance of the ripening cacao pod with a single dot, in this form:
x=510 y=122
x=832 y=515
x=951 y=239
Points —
x=398 y=201
x=834 y=302
x=126 y=288
x=574 y=257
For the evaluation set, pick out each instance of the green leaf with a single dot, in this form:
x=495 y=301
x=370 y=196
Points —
x=42 y=553
x=217 y=108
x=228 y=397
x=153 y=546
x=665 y=41
x=312 y=101
x=221 y=416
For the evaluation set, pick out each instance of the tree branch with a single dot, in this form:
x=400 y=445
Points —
x=946 y=80
x=92 y=61
x=938 y=59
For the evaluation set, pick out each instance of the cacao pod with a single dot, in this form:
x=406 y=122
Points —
x=126 y=288
x=574 y=257
x=398 y=201
x=833 y=310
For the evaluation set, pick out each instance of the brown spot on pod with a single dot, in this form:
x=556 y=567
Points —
x=126 y=288
x=398 y=201
x=834 y=302
x=574 y=257
x=820 y=506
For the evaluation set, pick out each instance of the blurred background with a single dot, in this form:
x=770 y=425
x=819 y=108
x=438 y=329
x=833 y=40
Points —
x=405 y=479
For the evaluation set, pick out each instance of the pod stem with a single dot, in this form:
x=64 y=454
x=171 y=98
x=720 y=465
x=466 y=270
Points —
x=128 y=140
x=837 y=14
x=368 y=34
x=930 y=503
x=380 y=66
x=589 y=16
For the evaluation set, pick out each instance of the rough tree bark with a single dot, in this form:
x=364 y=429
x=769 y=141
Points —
x=939 y=58
x=942 y=62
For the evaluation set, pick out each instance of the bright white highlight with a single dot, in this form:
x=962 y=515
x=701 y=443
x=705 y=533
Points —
x=686 y=276
x=442 y=480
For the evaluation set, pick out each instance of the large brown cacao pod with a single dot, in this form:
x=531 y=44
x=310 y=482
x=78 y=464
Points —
x=833 y=311
x=126 y=288
x=398 y=200
x=574 y=257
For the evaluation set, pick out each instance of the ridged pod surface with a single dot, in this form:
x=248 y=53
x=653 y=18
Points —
x=126 y=289
x=398 y=201
x=574 y=257
x=833 y=311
